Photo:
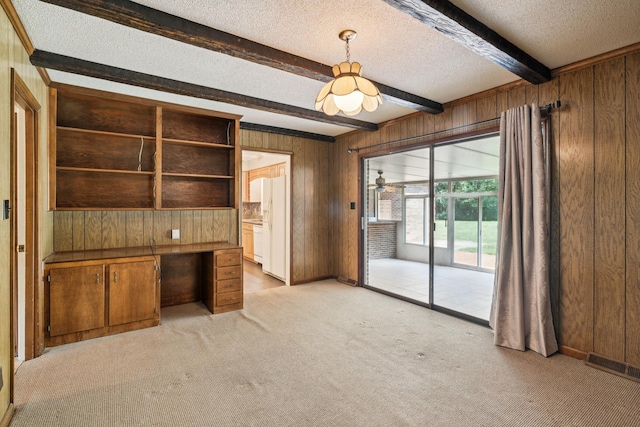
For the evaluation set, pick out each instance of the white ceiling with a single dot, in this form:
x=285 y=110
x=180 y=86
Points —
x=393 y=48
x=470 y=159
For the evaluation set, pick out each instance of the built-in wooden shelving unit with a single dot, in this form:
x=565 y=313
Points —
x=118 y=152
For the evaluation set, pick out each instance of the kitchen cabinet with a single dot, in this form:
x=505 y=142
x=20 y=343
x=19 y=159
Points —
x=117 y=152
x=245 y=187
x=247 y=240
x=91 y=298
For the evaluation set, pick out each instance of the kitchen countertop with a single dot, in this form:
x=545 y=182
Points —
x=253 y=221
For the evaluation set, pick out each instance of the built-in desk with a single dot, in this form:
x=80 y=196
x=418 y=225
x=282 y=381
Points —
x=102 y=292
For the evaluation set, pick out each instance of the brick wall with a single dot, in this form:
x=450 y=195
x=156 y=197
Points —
x=381 y=240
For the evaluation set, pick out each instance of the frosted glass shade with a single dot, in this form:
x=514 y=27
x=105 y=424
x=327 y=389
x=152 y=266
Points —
x=348 y=93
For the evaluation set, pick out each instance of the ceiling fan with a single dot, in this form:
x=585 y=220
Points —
x=380 y=182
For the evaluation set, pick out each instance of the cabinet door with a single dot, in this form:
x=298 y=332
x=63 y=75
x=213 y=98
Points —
x=247 y=241
x=132 y=292
x=76 y=299
x=245 y=187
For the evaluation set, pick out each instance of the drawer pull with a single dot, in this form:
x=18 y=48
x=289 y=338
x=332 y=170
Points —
x=229 y=298
x=115 y=276
x=228 y=286
x=98 y=279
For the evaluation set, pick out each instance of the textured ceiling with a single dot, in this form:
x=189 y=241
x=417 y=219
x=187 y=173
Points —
x=393 y=48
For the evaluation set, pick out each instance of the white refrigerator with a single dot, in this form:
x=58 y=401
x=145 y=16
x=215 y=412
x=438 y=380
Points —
x=274 y=205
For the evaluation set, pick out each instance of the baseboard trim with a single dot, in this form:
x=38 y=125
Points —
x=317 y=279
x=346 y=281
x=7 y=416
x=572 y=352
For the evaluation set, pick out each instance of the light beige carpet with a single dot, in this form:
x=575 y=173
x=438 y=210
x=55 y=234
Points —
x=322 y=354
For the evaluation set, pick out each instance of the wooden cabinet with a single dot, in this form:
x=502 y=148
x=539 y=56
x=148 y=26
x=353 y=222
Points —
x=132 y=292
x=88 y=299
x=76 y=298
x=118 y=152
x=264 y=172
x=245 y=187
x=247 y=240
x=224 y=291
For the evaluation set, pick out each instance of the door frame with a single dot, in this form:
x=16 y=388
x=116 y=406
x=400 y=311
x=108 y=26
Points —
x=21 y=95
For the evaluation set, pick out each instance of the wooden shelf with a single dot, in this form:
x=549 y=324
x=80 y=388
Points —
x=101 y=132
x=63 y=168
x=200 y=143
x=117 y=152
x=95 y=113
x=195 y=175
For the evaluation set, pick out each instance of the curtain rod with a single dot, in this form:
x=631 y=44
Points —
x=546 y=109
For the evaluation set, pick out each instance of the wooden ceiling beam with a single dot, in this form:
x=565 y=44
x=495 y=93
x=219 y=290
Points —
x=463 y=28
x=92 y=69
x=153 y=21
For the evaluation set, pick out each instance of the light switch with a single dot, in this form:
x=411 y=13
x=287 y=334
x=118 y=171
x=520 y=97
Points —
x=175 y=234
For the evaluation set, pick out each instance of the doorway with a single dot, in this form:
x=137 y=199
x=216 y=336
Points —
x=430 y=230
x=26 y=339
x=266 y=219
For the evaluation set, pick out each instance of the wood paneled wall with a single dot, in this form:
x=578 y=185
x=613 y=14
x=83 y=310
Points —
x=86 y=230
x=14 y=55
x=311 y=219
x=595 y=218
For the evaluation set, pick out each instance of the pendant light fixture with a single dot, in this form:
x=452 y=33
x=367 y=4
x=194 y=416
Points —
x=348 y=93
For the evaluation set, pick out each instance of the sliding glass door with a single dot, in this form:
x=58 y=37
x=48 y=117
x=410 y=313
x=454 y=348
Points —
x=431 y=226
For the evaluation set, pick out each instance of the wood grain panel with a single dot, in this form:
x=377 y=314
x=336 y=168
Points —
x=609 y=138
x=162 y=227
x=502 y=102
x=323 y=224
x=63 y=231
x=576 y=210
x=197 y=227
x=548 y=92
x=298 y=210
x=353 y=190
x=486 y=108
x=134 y=226
x=113 y=229
x=93 y=230
x=148 y=228
x=186 y=227
x=207 y=226
x=287 y=144
x=78 y=230
x=516 y=97
x=632 y=330
x=221 y=230
x=443 y=121
x=531 y=94
x=464 y=114
x=310 y=201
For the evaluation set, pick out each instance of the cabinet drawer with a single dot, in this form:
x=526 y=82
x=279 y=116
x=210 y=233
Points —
x=229 y=298
x=228 y=258
x=224 y=273
x=229 y=285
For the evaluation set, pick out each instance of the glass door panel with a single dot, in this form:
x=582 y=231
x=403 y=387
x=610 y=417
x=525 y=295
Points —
x=465 y=231
x=396 y=225
x=489 y=232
